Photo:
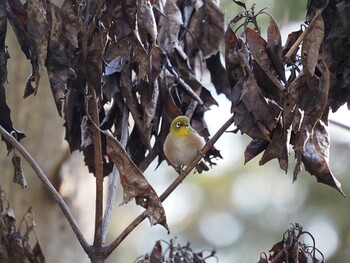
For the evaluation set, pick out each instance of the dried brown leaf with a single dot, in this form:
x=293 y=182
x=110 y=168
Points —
x=315 y=155
x=18 y=176
x=265 y=77
x=73 y=23
x=209 y=16
x=145 y=19
x=17 y=16
x=257 y=105
x=218 y=75
x=255 y=147
x=134 y=183
x=134 y=106
x=311 y=47
x=93 y=62
x=38 y=35
x=233 y=54
x=277 y=148
x=57 y=62
x=169 y=27
x=274 y=48
x=149 y=101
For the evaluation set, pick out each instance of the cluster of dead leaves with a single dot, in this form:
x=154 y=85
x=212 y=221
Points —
x=293 y=249
x=14 y=244
x=144 y=61
x=276 y=111
x=176 y=253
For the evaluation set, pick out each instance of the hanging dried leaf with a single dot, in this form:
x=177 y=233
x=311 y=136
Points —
x=276 y=149
x=134 y=183
x=235 y=52
x=94 y=62
x=266 y=79
x=169 y=27
x=38 y=35
x=17 y=16
x=18 y=176
x=149 y=101
x=209 y=16
x=133 y=105
x=257 y=105
x=73 y=23
x=311 y=47
x=274 y=48
x=315 y=155
x=255 y=147
x=145 y=19
x=218 y=75
x=57 y=63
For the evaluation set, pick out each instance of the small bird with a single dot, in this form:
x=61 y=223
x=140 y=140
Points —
x=183 y=143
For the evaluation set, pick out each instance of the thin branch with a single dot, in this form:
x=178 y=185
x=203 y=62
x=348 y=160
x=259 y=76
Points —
x=46 y=182
x=341 y=125
x=110 y=248
x=98 y=168
x=296 y=44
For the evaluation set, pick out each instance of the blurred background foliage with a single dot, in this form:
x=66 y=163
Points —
x=239 y=210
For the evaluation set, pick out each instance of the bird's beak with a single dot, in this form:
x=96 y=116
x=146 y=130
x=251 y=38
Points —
x=184 y=124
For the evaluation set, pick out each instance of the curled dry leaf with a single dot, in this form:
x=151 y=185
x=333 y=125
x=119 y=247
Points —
x=18 y=176
x=134 y=183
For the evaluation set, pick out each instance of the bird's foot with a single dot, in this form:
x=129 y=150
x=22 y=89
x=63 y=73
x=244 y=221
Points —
x=180 y=171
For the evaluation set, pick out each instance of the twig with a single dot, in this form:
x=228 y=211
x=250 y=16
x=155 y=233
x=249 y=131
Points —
x=110 y=248
x=296 y=44
x=341 y=125
x=46 y=182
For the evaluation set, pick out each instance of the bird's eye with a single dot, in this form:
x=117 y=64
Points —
x=178 y=124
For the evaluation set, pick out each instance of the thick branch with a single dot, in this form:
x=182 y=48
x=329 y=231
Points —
x=46 y=182
x=98 y=168
x=109 y=249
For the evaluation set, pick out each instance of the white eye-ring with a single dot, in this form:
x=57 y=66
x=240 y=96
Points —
x=178 y=124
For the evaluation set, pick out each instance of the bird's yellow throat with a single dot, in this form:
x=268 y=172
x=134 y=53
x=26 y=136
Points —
x=182 y=131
